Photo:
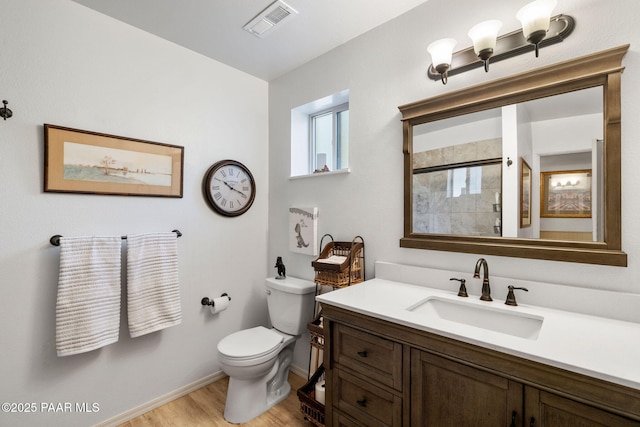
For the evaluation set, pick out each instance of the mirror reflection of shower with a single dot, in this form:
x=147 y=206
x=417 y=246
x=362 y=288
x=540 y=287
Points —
x=558 y=133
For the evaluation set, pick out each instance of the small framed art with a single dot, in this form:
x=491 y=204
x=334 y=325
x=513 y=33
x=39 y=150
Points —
x=565 y=194
x=525 y=194
x=303 y=230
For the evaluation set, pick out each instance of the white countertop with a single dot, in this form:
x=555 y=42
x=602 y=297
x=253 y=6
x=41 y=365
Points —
x=600 y=347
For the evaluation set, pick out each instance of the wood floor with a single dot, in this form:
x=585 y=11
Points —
x=205 y=407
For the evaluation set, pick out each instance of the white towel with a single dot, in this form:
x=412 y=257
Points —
x=333 y=259
x=88 y=302
x=153 y=291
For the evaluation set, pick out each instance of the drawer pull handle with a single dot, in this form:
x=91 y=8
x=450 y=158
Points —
x=362 y=353
x=532 y=422
x=362 y=402
x=513 y=419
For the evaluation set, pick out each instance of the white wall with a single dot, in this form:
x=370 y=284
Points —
x=569 y=135
x=64 y=64
x=386 y=68
x=511 y=150
x=525 y=151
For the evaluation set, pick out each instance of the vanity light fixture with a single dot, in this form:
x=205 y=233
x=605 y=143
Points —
x=441 y=52
x=484 y=36
x=538 y=30
x=535 y=18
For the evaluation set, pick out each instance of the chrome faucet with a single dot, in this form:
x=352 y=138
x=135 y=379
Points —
x=486 y=289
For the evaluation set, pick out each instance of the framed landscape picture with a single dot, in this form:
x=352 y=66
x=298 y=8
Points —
x=525 y=194
x=565 y=194
x=79 y=161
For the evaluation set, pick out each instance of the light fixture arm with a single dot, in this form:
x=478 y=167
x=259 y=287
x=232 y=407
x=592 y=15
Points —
x=507 y=46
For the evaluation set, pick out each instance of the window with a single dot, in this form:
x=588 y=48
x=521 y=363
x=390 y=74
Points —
x=464 y=181
x=329 y=140
x=320 y=135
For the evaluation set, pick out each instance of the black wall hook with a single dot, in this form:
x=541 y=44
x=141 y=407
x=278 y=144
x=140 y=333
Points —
x=5 y=113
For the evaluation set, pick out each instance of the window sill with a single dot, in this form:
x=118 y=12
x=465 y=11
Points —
x=313 y=175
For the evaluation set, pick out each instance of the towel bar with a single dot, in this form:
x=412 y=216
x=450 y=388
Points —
x=55 y=240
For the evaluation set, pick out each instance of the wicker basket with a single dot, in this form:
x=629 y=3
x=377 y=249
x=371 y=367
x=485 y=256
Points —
x=312 y=410
x=346 y=273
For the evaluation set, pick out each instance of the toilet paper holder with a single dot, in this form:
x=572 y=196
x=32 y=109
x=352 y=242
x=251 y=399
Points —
x=207 y=301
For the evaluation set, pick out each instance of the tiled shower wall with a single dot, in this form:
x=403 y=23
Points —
x=438 y=208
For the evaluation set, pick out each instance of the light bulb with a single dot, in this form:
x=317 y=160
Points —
x=535 y=17
x=441 y=52
x=484 y=36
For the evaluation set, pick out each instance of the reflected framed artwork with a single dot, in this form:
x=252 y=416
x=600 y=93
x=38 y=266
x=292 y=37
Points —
x=525 y=194
x=79 y=161
x=565 y=194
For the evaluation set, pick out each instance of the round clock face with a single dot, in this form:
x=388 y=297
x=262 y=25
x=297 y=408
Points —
x=229 y=188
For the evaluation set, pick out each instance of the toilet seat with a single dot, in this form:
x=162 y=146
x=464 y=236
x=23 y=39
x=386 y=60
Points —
x=250 y=343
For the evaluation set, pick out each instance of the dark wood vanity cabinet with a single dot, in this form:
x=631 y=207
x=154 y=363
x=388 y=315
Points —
x=384 y=374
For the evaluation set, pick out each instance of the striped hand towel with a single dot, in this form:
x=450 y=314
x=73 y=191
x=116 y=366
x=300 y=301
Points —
x=88 y=301
x=153 y=291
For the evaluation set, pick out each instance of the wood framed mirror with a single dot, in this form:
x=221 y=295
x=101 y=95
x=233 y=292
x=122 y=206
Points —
x=434 y=222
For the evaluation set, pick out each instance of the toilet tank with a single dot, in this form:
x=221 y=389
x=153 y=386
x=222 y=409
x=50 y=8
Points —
x=290 y=302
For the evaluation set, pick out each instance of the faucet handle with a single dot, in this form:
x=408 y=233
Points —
x=462 y=292
x=511 y=297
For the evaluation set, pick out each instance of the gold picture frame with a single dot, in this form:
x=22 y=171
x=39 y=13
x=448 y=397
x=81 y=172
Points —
x=525 y=194
x=80 y=161
x=565 y=194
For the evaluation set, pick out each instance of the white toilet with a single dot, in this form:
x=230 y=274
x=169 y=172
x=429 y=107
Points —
x=257 y=360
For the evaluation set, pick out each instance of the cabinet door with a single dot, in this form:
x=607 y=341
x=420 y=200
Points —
x=450 y=394
x=545 y=409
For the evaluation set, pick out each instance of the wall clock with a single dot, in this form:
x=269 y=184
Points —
x=229 y=188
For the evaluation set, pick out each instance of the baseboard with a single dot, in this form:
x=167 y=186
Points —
x=299 y=371
x=182 y=391
x=161 y=400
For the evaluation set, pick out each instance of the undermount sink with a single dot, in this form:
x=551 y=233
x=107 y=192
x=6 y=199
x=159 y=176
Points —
x=491 y=318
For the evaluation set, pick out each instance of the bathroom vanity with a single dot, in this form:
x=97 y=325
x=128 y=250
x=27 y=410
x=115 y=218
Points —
x=405 y=354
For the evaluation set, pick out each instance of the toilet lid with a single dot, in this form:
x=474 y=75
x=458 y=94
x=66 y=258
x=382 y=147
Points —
x=252 y=342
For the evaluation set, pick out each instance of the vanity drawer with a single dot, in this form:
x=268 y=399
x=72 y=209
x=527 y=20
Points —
x=376 y=358
x=369 y=404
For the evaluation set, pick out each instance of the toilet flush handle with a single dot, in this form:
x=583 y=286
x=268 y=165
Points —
x=268 y=291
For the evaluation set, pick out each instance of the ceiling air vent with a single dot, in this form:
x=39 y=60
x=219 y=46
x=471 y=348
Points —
x=270 y=18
